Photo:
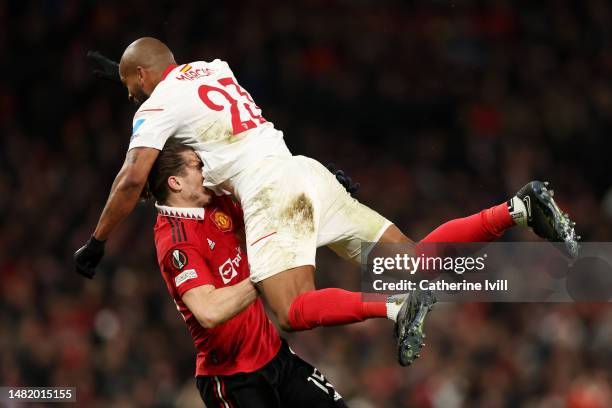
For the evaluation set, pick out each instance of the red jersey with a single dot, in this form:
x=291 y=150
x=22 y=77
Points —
x=199 y=246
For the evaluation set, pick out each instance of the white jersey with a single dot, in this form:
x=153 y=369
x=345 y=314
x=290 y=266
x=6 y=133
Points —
x=291 y=204
x=202 y=105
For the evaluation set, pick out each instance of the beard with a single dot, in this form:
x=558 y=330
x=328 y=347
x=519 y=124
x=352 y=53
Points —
x=139 y=97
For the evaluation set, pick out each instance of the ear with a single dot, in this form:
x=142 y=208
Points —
x=175 y=183
x=141 y=74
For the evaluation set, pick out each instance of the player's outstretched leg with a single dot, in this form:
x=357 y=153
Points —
x=533 y=206
x=546 y=218
x=297 y=305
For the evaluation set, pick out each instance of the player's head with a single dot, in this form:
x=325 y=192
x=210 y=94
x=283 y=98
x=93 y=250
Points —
x=142 y=66
x=176 y=177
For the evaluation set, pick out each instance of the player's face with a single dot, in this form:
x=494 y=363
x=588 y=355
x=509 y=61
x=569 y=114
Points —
x=136 y=93
x=134 y=84
x=192 y=189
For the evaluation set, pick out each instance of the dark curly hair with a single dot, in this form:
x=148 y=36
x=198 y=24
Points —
x=170 y=162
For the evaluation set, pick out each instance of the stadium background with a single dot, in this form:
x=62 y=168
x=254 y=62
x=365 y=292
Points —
x=438 y=108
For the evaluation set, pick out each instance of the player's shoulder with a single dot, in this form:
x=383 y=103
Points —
x=168 y=224
x=213 y=69
x=173 y=232
x=219 y=63
x=196 y=67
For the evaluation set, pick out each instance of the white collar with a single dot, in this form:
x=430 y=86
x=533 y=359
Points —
x=178 y=212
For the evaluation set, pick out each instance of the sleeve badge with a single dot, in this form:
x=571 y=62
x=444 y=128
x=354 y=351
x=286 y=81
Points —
x=179 y=259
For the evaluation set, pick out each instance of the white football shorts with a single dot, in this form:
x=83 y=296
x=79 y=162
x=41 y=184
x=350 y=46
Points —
x=293 y=205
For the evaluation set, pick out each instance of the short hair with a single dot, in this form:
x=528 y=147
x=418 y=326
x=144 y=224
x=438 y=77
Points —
x=170 y=162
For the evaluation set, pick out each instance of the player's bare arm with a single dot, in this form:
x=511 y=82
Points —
x=141 y=68
x=213 y=306
x=122 y=199
x=126 y=190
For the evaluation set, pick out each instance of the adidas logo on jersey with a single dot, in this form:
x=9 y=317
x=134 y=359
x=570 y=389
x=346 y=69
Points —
x=211 y=243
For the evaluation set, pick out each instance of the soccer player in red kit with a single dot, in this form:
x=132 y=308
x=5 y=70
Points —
x=241 y=360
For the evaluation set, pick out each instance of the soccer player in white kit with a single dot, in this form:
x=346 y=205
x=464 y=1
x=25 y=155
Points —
x=291 y=204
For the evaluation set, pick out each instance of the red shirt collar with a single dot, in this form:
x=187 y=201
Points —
x=167 y=71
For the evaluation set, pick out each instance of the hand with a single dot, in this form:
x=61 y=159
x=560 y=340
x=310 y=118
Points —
x=110 y=69
x=88 y=257
x=343 y=179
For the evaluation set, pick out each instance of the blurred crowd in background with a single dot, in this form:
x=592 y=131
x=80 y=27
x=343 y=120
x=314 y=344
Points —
x=438 y=108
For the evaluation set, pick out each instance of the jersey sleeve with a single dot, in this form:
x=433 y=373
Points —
x=186 y=269
x=152 y=127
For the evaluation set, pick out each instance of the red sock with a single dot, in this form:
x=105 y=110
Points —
x=485 y=226
x=332 y=307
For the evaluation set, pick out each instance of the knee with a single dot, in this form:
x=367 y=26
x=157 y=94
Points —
x=281 y=290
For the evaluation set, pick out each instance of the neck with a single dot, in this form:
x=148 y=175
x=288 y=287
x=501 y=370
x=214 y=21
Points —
x=181 y=202
x=151 y=86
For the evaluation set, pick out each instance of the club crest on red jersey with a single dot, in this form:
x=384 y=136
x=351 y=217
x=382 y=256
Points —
x=179 y=259
x=221 y=220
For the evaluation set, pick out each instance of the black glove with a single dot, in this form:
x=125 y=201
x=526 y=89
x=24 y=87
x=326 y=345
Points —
x=110 y=69
x=343 y=179
x=88 y=257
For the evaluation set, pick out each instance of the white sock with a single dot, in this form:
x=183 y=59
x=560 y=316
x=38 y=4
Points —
x=394 y=304
x=518 y=210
